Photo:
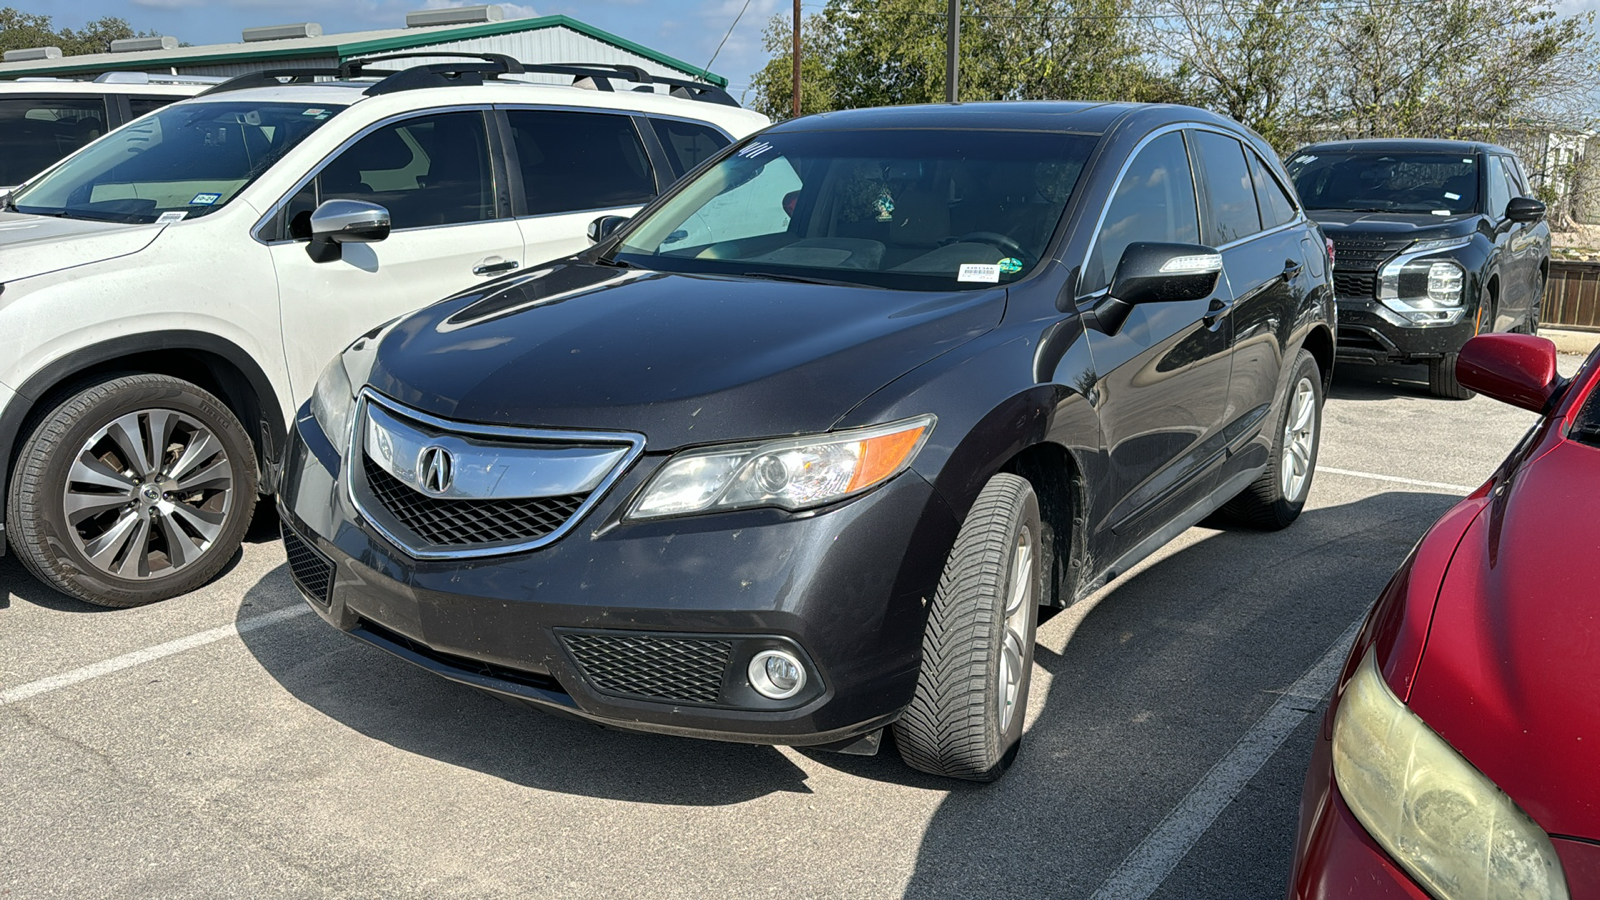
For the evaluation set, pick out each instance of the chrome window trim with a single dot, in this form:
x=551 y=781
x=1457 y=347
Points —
x=634 y=441
x=316 y=169
x=1105 y=209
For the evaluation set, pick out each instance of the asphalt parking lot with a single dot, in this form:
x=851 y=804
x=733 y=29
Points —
x=228 y=743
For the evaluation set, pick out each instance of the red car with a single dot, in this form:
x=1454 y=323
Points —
x=1460 y=757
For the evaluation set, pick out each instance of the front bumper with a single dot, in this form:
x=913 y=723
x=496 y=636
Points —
x=1371 y=333
x=845 y=588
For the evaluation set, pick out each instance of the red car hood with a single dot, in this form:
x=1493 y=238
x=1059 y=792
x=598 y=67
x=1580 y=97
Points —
x=1511 y=672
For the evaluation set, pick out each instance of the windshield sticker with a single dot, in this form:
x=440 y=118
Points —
x=1450 y=196
x=205 y=199
x=1441 y=212
x=167 y=218
x=988 y=272
x=1010 y=265
x=313 y=112
x=754 y=150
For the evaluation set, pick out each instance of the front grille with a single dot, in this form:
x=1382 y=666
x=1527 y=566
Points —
x=1364 y=254
x=679 y=669
x=375 y=633
x=1360 y=285
x=456 y=523
x=312 y=572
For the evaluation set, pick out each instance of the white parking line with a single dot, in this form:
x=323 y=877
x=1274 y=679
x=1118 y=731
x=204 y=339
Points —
x=1144 y=869
x=148 y=654
x=1373 y=476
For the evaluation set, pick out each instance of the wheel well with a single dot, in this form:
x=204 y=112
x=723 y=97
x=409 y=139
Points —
x=1320 y=345
x=208 y=370
x=1058 y=484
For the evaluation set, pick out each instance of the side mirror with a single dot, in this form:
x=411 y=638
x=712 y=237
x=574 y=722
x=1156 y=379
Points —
x=601 y=228
x=338 y=222
x=1519 y=369
x=1157 y=273
x=1524 y=209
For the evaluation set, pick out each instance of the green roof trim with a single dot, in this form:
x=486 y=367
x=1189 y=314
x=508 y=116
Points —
x=422 y=38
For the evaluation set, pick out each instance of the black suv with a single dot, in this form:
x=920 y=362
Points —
x=1434 y=241
x=799 y=452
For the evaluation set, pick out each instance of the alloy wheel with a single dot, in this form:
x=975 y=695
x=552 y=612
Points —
x=148 y=494
x=1299 y=436
x=1012 y=650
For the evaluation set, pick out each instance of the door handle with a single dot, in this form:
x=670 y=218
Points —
x=1291 y=269
x=494 y=268
x=1218 y=308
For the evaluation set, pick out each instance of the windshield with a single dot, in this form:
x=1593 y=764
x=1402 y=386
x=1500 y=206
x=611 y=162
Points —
x=185 y=160
x=1444 y=184
x=913 y=209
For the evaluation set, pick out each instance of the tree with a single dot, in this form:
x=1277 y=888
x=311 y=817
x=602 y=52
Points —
x=20 y=30
x=884 y=52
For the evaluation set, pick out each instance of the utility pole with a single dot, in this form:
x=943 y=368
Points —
x=952 y=50
x=797 y=59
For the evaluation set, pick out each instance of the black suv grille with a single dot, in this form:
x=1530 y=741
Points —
x=1364 y=254
x=685 y=670
x=312 y=571
x=1360 y=285
x=456 y=523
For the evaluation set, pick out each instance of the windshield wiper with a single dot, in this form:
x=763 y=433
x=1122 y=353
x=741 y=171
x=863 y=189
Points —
x=800 y=279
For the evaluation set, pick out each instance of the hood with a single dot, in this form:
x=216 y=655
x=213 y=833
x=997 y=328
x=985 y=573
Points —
x=682 y=359
x=1511 y=673
x=37 y=245
x=1414 y=226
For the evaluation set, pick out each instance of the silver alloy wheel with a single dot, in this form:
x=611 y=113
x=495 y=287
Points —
x=1299 y=436
x=148 y=494
x=1012 y=651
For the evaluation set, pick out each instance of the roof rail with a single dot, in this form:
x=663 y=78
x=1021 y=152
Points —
x=269 y=78
x=487 y=66
x=155 y=78
x=598 y=73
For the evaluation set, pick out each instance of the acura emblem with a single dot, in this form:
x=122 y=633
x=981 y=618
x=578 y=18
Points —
x=437 y=467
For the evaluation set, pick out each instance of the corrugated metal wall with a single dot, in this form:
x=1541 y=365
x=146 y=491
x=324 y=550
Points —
x=242 y=68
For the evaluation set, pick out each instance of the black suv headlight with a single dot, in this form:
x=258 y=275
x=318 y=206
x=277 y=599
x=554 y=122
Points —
x=793 y=473
x=1423 y=288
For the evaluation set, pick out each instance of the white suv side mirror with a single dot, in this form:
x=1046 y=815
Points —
x=338 y=222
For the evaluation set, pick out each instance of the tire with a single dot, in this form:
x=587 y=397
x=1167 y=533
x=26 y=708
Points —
x=132 y=490
x=965 y=720
x=1535 y=308
x=1442 y=379
x=1276 y=497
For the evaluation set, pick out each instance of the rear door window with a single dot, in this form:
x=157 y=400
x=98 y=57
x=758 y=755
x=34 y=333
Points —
x=138 y=106
x=36 y=132
x=1154 y=201
x=575 y=161
x=688 y=144
x=1231 y=210
x=1275 y=206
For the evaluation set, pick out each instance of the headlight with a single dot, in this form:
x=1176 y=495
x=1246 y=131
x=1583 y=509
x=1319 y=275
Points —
x=1424 y=291
x=333 y=400
x=795 y=473
x=1448 y=825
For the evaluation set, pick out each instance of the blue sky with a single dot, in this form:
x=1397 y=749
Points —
x=687 y=29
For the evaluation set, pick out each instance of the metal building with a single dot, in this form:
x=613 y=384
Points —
x=480 y=29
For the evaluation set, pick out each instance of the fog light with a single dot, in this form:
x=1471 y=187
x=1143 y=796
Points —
x=776 y=674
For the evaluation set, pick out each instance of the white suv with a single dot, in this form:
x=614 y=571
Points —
x=171 y=291
x=44 y=119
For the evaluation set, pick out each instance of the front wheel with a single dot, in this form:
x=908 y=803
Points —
x=965 y=720
x=1277 y=496
x=132 y=490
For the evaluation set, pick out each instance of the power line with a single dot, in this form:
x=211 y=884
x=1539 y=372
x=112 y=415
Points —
x=1378 y=5
x=725 y=37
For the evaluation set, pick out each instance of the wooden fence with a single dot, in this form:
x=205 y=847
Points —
x=1572 y=298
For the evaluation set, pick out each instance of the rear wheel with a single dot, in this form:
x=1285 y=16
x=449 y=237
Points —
x=965 y=720
x=1277 y=496
x=132 y=490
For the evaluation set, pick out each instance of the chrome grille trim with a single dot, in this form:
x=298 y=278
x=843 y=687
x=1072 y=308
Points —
x=630 y=444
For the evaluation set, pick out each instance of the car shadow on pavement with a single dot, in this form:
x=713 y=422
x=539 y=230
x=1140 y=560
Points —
x=1146 y=691
x=1386 y=382
x=389 y=700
